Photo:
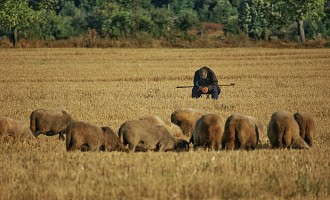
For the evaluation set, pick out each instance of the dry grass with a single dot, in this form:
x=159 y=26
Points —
x=110 y=86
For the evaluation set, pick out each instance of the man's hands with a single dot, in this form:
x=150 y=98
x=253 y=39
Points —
x=204 y=89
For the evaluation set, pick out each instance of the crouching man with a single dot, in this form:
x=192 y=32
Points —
x=205 y=82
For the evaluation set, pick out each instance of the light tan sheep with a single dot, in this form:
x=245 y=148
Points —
x=306 y=127
x=208 y=132
x=16 y=129
x=84 y=136
x=141 y=135
x=172 y=128
x=241 y=132
x=283 y=131
x=49 y=122
x=186 y=119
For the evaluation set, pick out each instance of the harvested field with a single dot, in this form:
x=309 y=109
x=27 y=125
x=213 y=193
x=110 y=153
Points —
x=107 y=87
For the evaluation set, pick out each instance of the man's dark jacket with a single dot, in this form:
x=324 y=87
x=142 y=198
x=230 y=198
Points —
x=210 y=82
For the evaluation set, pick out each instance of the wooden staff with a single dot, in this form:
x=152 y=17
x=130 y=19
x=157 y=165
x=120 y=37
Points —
x=189 y=86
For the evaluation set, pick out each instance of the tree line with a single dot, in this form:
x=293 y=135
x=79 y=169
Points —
x=123 y=19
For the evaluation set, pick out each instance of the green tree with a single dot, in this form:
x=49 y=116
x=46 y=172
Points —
x=164 y=21
x=75 y=16
x=121 y=25
x=299 y=10
x=253 y=18
x=160 y=3
x=55 y=26
x=178 y=6
x=47 y=5
x=16 y=15
x=186 y=19
x=88 y=5
x=113 y=20
x=217 y=11
x=324 y=24
x=232 y=25
x=101 y=18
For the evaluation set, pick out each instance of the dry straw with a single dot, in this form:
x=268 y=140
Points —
x=107 y=87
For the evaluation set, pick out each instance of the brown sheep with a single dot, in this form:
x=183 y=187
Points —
x=140 y=135
x=241 y=132
x=16 y=129
x=87 y=137
x=283 y=131
x=306 y=127
x=186 y=119
x=49 y=122
x=172 y=128
x=208 y=132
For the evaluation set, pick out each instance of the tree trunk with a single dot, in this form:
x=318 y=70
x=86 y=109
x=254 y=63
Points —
x=14 y=37
x=301 y=31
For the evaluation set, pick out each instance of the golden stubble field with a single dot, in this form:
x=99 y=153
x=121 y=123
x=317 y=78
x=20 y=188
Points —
x=107 y=87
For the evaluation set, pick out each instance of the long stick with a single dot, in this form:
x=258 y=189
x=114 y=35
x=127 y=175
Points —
x=189 y=86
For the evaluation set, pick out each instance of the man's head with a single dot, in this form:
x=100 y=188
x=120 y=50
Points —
x=203 y=73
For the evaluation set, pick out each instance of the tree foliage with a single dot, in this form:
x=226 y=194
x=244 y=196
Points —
x=19 y=15
x=62 y=19
x=15 y=15
x=253 y=19
x=296 y=11
x=218 y=11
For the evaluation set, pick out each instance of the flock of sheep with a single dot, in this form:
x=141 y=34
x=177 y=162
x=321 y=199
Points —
x=205 y=130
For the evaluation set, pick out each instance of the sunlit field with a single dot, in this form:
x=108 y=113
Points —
x=107 y=87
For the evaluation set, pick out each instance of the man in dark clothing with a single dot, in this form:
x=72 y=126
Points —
x=205 y=82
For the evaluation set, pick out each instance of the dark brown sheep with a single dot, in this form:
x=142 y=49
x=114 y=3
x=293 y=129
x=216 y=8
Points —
x=16 y=129
x=87 y=137
x=241 y=132
x=306 y=127
x=141 y=135
x=283 y=131
x=186 y=119
x=172 y=128
x=49 y=122
x=208 y=132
